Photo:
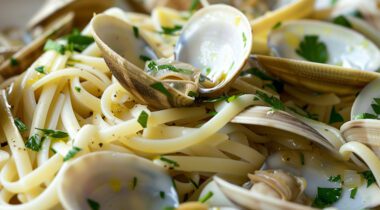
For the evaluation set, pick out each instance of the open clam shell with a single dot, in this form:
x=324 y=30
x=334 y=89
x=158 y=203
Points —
x=115 y=181
x=122 y=45
x=352 y=59
x=218 y=40
x=269 y=121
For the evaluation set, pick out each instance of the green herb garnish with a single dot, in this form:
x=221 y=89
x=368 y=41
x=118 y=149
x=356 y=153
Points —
x=368 y=175
x=174 y=69
x=270 y=100
x=135 y=32
x=93 y=204
x=14 y=62
x=20 y=125
x=143 y=119
x=341 y=20
x=335 y=116
x=52 y=45
x=34 y=142
x=145 y=58
x=170 y=30
x=192 y=94
x=78 y=42
x=277 y=25
x=193 y=6
x=365 y=116
x=40 y=69
x=244 y=39
x=326 y=197
x=336 y=178
x=208 y=71
x=160 y=87
x=55 y=134
x=72 y=152
x=170 y=162
x=162 y=194
x=353 y=192
x=313 y=50
x=78 y=89
x=206 y=197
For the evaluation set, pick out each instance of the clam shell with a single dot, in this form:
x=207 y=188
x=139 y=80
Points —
x=318 y=77
x=29 y=53
x=115 y=181
x=363 y=101
x=120 y=49
x=218 y=40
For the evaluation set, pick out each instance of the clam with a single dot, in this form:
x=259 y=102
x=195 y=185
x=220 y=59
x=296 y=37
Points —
x=30 y=52
x=264 y=120
x=341 y=64
x=285 y=183
x=224 y=43
x=364 y=125
x=123 y=181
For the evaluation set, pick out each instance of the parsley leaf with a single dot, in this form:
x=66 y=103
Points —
x=135 y=32
x=335 y=116
x=326 y=197
x=193 y=6
x=272 y=101
x=172 y=163
x=56 y=134
x=78 y=42
x=93 y=204
x=353 y=192
x=341 y=20
x=313 y=50
x=365 y=116
x=145 y=58
x=206 y=197
x=277 y=25
x=160 y=87
x=52 y=45
x=71 y=153
x=368 y=175
x=143 y=119
x=35 y=142
x=40 y=69
x=192 y=94
x=162 y=195
x=14 y=62
x=170 y=30
x=78 y=89
x=20 y=125
x=336 y=178
x=244 y=39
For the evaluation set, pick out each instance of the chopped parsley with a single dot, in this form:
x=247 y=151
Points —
x=277 y=25
x=312 y=50
x=134 y=183
x=170 y=30
x=368 y=175
x=232 y=98
x=326 y=197
x=145 y=58
x=160 y=87
x=143 y=119
x=270 y=100
x=71 y=153
x=93 y=204
x=302 y=158
x=206 y=197
x=135 y=32
x=357 y=14
x=35 y=142
x=20 y=125
x=162 y=195
x=365 y=116
x=341 y=20
x=192 y=94
x=193 y=6
x=376 y=106
x=154 y=67
x=14 y=62
x=336 y=178
x=208 y=70
x=172 y=163
x=222 y=98
x=40 y=69
x=55 y=134
x=169 y=208
x=78 y=89
x=52 y=45
x=335 y=116
x=353 y=192
x=78 y=42
x=244 y=39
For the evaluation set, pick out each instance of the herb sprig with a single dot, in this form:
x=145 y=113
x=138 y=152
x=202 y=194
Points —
x=313 y=50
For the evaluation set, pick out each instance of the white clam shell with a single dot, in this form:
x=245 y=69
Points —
x=219 y=38
x=362 y=103
x=346 y=48
x=107 y=178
